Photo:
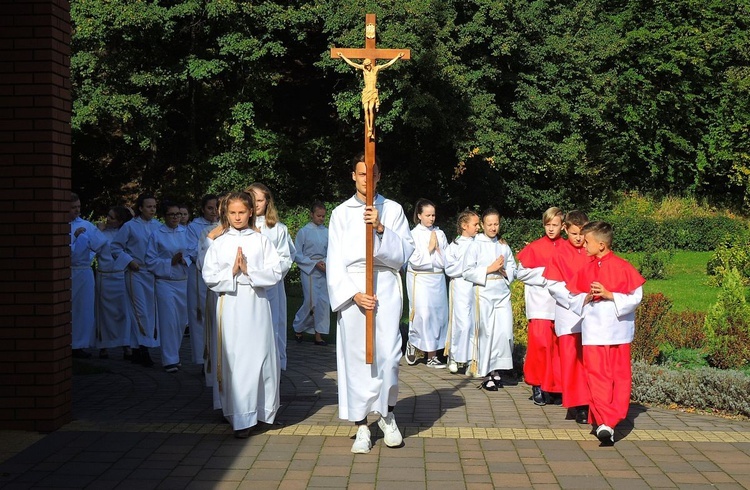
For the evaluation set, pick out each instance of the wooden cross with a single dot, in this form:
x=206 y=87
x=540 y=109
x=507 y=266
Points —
x=370 y=104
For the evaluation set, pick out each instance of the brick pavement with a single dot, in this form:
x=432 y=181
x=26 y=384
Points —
x=143 y=428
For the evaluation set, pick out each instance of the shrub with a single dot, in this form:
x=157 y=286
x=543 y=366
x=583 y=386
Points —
x=648 y=336
x=730 y=254
x=653 y=263
x=680 y=358
x=702 y=388
x=684 y=329
x=728 y=325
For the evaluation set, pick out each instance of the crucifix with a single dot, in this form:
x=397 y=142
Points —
x=370 y=103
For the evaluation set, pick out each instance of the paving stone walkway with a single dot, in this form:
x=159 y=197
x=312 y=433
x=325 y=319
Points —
x=142 y=428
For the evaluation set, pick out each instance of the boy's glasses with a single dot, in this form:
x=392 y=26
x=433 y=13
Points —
x=173 y=215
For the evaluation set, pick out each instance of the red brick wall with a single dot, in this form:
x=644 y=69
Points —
x=35 y=104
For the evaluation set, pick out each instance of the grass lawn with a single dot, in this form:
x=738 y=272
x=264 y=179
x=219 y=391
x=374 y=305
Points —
x=686 y=284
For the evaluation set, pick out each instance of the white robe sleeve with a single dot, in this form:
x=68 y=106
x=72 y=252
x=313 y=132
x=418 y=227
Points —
x=158 y=266
x=271 y=272
x=305 y=263
x=119 y=244
x=396 y=245
x=217 y=273
x=626 y=303
x=511 y=269
x=341 y=289
x=474 y=272
x=284 y=248
x=559 y=293
x=531 y=276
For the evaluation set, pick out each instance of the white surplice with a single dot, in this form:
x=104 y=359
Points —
x=494 y=335
x=365 y=388
x=113 y=322
x=131 y=242
x=462 y=302
x=425 y=285
x=247 y=370
x=170 y=287
x=279 y=236
x=311 y=246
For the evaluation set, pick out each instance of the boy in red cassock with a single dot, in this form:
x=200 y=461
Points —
x=607 y=292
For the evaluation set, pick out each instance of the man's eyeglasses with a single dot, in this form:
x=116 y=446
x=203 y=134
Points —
x=173 y=215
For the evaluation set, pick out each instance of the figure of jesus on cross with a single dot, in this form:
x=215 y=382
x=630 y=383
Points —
x=370 y=99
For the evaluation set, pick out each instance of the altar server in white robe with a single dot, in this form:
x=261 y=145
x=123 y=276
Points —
x=196 y=298
x=425 y=285
x=241 y=265
x=85 y=241
x=461 y=318
x=365 y=388
x=489 y=264
x=311 y=244
x=267 y=221
x=111 y=307
x=131 y=241
x=167 y=259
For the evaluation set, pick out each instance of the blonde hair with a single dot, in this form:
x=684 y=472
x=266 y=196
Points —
x=271 y=214
x=551 y=214
x=245 y=198
x=464 y=217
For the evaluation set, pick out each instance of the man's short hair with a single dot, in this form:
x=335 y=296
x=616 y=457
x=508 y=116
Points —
x=360 y=157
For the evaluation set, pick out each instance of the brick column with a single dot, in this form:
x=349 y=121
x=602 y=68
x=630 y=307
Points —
x=35 y=106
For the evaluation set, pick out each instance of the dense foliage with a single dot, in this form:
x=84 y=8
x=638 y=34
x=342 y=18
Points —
x=521 y=104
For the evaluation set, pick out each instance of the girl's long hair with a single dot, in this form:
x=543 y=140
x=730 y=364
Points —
x=272 y=215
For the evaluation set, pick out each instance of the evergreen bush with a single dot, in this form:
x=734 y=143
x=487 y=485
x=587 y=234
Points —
x=728 y=325
x=684 y=329
x=702 y=388
x=653 y=263
x=730 y=254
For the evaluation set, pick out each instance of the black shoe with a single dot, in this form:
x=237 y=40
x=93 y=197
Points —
x=321 y=342
x=298 y=338
x=80 y=354
x=582 y=416
x=145 y=357
x=547 y=396
x=489 y=385
x=242 y=433
x=497 y=379
x=557 y=399
x=538 y=396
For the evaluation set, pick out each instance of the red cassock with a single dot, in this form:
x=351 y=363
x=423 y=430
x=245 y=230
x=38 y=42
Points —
x=608 y=370
x=563 y=268
x=542 y=364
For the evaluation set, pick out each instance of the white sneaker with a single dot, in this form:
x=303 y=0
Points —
x=434 y=362
x=605 y=433
x=362 y=442
x=452 y=365
x=411 y=354
x=391 y=434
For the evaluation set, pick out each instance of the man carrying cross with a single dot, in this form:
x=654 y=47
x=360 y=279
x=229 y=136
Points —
x=363 y=387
